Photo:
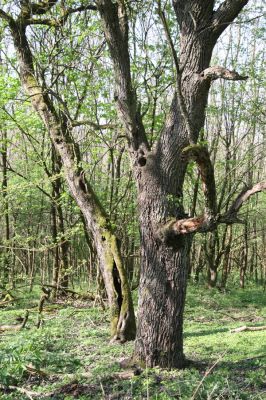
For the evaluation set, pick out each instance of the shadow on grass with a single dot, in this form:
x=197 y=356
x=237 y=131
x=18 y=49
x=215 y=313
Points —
x=205 y=333
x=256 y=362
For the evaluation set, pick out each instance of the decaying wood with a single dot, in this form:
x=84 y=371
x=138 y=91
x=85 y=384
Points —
x=209 y=222
x=243 y=197
x=216 y=72
x=201 y=155
x=36 y=371
x=248 y=328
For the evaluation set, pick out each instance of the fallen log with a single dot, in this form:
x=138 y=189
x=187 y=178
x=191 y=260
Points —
x=81 y=296
x=248 y=328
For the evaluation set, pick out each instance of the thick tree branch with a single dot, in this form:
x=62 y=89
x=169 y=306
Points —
x=40 y=8
x=56 y=22
x=180 y=97
x=93 y=124
x=46 y=21
x=216 y=72
x=225 y=14
x=115 y=25
x=201 y=156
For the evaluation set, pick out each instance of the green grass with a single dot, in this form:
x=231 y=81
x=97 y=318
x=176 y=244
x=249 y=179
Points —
x=73 y=350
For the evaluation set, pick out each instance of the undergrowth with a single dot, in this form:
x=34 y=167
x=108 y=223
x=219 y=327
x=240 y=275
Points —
x=70 y=355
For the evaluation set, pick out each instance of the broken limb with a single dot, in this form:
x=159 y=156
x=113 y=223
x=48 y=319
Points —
x=217 y=72
x=203 y=224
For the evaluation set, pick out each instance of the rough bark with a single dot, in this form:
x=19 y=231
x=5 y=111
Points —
x=110 y=262
x=166 y=231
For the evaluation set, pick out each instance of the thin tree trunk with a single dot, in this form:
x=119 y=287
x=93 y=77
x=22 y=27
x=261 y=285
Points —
x=6 y=252
x=244 y=258
x=110 y=262
x=226 y=259
x=56 y=261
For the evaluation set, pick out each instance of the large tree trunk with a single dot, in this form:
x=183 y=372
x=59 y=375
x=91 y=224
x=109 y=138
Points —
x=162 y=293
x=166 y=232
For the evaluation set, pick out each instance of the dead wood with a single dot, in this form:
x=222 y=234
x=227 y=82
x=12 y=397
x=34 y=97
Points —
x=81 y=296
x=248 y=328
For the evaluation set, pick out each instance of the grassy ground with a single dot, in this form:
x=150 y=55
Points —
x=70 y=357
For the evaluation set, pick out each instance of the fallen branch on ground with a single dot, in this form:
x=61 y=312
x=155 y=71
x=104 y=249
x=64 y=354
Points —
x=82 y=296
x=248 y=328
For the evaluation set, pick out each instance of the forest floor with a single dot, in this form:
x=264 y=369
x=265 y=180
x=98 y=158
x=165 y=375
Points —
x=70 y=357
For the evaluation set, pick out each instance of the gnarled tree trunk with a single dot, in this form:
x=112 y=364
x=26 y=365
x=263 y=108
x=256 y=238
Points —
x=59 y=128
x=166 y=231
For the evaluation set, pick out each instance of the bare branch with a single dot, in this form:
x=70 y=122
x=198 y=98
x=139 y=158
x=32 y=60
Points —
x=56 y=22
x=36 y=185
x=216 y=72
x=39 y=8
x=93 y=124
x=248 y=328
x=240 y=200
x=69 y=11
x=47 y=21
